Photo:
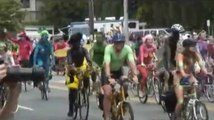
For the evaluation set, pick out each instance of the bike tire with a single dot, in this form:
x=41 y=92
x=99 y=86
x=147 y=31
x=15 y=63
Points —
x=198 y=105
x=44 y=91
x=157 y=91
x=84 y=101
x=209 y=94
x=133 y=88
x=126 y=108
x=143 y=99
x=76 y=105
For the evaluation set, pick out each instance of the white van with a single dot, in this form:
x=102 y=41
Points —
x=153 y=31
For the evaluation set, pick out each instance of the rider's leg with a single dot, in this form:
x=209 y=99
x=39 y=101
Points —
x=107 y=101
x=72 y=96
x=107 y=89
x=179 y=94
x=144 y=75
x=193 y=89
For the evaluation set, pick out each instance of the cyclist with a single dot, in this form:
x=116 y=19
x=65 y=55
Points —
x=202 y=45
x=172 y=45
x=146 y=56
x=78 y=57
x=188 y=63
x=97 y=52
x=115 y=56
x=42 y=55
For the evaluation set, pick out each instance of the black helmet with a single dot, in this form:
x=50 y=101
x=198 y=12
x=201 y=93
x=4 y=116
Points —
x=189 y=43
x=75 y=38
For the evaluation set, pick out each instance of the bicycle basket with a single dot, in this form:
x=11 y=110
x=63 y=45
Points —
x=170 y=100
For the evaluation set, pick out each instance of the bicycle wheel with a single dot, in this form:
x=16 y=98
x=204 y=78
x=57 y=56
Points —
x=128 y=113
x=156 y=89
x=201 y=111
x=150 y=86
x=76 y=105
x=133 y=88
x=84 y=105
x=209 y=91
x=44 y=91
x=143 y=96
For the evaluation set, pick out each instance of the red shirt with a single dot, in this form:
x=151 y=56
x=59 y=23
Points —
x=58 y=46
x=146 y=54
x=25 y=48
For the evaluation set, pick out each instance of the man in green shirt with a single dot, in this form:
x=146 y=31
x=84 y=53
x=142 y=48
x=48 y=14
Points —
x=97 y=52
x=114 y=58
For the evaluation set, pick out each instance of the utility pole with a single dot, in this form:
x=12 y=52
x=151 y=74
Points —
x=125 y=26
x=91 y=16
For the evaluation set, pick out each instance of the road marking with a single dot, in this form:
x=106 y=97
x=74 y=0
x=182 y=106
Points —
x=25 y=108
x=210 y=107
x=58 y=88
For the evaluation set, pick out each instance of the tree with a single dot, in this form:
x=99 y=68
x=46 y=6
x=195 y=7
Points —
x=11 y=15
x=61 y=12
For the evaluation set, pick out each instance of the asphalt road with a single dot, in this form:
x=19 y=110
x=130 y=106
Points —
x=31 y=107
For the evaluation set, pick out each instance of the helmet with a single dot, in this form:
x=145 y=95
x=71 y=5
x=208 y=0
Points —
x=44 y=32
x=189 y=43
x=118 y=37
x=178 y=27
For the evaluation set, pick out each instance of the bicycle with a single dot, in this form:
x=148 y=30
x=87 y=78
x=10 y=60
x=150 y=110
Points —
x=82 y=99
x=192 y=108
x=93 y=88
x=151 y=88
x=119 y=104
x=44 y=90
x=206 y=88
x=133 y=86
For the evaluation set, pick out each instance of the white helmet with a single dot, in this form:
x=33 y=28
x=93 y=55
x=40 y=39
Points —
x=178 y=27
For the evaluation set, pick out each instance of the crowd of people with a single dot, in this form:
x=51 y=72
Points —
x=182 y=58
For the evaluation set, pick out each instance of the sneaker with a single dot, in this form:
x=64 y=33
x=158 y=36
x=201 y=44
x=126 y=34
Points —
x=70 y=114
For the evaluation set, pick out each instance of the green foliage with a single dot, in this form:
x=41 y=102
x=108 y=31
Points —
x=11 y=15
x=61 y=12
x=157 y=13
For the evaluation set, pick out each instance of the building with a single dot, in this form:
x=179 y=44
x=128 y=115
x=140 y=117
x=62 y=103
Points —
x=32 y=9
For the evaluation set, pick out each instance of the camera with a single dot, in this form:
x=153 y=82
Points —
x=18 y=74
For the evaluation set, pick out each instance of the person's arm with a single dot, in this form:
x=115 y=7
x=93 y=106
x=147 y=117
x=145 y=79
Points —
x=201 y=64
x=141 y=54
x=107 y=60
x=13 y=94
x=131 y=61
x=180 y=64
x=87 y=56
x=12 y=39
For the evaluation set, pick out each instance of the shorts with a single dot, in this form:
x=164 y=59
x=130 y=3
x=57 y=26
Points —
x=114 y=74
